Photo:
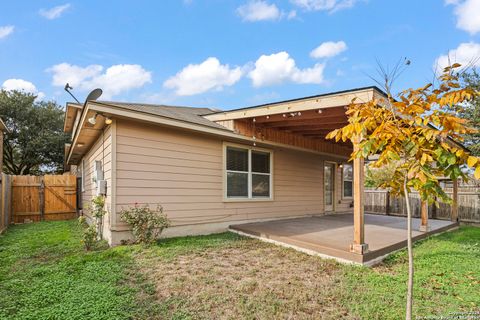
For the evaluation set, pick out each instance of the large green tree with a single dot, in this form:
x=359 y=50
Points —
x=471 y=110
x=34 y=143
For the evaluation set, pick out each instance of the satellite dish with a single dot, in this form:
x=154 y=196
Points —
x=94 y=95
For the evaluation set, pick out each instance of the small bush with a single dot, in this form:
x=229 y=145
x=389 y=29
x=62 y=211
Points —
x=89 y=234
x=147 y=224
x=98 y=207
x=97 y=211
x=89 y=237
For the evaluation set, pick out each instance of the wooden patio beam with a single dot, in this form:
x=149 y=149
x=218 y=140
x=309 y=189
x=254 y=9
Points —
x=358 y=246
x=301 y=128
x=298 y=122
x=312 y=132
x=305 y=115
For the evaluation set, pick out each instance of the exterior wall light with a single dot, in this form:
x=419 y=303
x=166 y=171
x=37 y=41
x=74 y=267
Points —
x=93 y=120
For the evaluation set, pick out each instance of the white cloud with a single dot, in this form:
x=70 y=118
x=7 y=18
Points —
x=199 y=78
x=5 y=31
x=54 y=12
x=325 y=5
x=467 y=54
x=328 y=49
x=74 y=75
x=292 y=14
x=22 y=85
x=468 y=14
x=280 y=67
x=258 y=10
x=115 y=80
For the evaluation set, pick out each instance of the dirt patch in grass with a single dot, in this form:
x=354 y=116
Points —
x=246 y=279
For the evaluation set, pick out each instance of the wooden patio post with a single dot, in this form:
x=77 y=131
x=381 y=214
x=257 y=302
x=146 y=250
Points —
x=454 y=216
x=358 y=245
x=424 y=215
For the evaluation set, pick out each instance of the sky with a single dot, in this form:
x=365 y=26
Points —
x=227 y=54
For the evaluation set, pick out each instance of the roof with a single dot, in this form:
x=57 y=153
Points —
x=187 y=114
x=316 y=102
x=304 y=98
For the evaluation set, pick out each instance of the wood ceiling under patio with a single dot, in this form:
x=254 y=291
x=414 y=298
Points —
x=304 y=129
x=302 y=122
x=313 y=124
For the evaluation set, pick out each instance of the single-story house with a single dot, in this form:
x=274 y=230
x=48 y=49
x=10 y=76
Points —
x=210 y=169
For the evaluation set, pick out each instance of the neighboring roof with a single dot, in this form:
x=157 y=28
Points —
x=187 y=114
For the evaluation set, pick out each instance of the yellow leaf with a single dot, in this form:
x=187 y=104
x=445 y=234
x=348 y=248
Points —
x=424 y=159
x=471 y=161
x=477 y=173
x=332 y=134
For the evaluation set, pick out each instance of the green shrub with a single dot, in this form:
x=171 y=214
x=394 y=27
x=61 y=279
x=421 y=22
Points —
x=89 y=233
x=97 y=210
x=92 y=233
x=147 y=224
x=98 y=207
x=89 y=237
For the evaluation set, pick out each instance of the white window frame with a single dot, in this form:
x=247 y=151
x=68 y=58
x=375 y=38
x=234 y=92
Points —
x=249 y=173
x=343 y=182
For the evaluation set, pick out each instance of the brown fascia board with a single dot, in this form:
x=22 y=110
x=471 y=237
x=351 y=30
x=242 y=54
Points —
x=68 y=106
x=375 y=88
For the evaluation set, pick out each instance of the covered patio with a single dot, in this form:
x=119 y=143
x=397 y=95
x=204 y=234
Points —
x=331 y=236
x=303 y=124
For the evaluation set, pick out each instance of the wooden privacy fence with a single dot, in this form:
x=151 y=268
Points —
x=50 y=197
x=380 y=201
x=5 y=203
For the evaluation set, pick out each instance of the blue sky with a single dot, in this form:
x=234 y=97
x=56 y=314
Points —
x=226 y=54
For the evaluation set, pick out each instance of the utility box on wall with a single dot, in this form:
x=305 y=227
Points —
x=97 y=177
x=97 y=171
x=101 y=187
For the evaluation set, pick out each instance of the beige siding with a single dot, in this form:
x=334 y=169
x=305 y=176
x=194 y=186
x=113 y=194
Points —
x=101 y=151
x=183 y=172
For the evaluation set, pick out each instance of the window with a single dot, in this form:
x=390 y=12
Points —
x=248 y=173
x=347 y=175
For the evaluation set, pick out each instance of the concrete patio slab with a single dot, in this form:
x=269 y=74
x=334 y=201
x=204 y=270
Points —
x=330 y=236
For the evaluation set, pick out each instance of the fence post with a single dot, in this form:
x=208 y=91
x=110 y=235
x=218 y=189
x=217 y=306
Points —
x=42 y=199
x=454 y=216
x=387 y=203
x=434 y=209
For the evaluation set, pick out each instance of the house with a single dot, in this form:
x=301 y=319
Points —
x=211 y=169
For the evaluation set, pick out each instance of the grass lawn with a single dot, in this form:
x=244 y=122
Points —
x=45 y=274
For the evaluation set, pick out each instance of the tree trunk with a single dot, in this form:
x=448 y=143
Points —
x=408 y=314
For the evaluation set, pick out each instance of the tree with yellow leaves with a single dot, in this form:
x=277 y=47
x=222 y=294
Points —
x=419 y=131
